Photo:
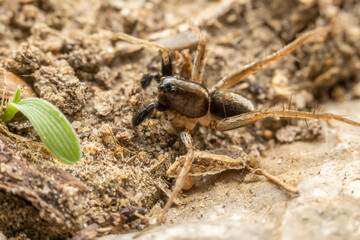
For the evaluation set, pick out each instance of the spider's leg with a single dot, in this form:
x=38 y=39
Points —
x=166 y=65
x=198 y=66
x=165 y=52
x=187 y=140
x=251 y=117
x=138 y=41
x=245 y=71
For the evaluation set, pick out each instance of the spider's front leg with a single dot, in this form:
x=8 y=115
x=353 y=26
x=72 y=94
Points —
x=166 y=65
x=166 y=70
x=198 y=66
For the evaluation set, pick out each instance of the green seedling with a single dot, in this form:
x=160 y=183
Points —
x=52 y=126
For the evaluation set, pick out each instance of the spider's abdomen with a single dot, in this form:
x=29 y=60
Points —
x=190 y=99
x=225 y=103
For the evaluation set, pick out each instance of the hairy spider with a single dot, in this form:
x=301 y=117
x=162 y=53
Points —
x=188 y=101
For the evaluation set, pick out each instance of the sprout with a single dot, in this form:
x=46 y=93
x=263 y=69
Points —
x=52 y=126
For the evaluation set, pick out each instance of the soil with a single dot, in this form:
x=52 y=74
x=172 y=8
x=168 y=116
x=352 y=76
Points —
x=65 y=54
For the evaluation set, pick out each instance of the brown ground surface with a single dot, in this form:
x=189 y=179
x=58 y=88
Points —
x=62 y=49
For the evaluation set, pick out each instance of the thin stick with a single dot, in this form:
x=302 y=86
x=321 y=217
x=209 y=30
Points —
x=187 y=140
x=271 y=178
x=161 y=185
x=105 y=229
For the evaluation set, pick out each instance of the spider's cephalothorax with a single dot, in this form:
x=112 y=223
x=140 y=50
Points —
x=187 y=98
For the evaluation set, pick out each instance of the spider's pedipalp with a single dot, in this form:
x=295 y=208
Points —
x=142 y=113
x=240 y=74
x=148 y=77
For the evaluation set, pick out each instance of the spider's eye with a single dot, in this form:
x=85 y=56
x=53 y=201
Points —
x=171 y=88
x=168 y=88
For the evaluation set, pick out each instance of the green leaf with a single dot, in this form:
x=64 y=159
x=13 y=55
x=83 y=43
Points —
x=16 y=96
x=10 y=111
x=53 y=128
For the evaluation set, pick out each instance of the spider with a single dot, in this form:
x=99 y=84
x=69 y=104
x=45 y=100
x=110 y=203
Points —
x=188 y=102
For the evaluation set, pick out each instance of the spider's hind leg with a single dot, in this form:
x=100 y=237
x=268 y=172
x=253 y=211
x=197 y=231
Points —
x=251 y=117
